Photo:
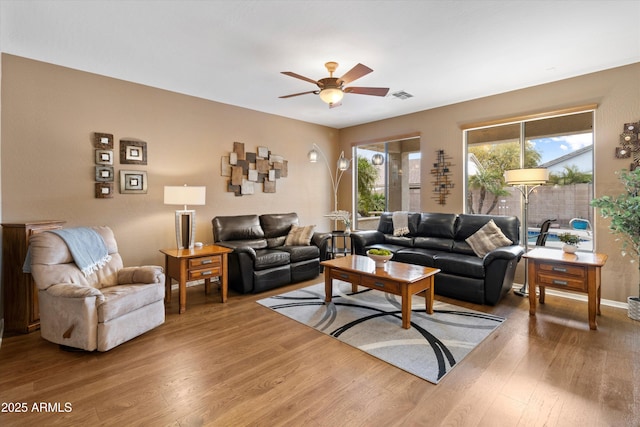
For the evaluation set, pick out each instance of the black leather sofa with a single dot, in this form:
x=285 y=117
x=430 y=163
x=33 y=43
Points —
x=438 y=240
x=260 y=261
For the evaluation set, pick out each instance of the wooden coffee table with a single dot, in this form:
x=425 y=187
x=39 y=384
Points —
x=396 y=278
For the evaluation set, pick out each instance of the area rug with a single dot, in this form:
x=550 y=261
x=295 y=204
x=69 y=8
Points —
x=371 y=321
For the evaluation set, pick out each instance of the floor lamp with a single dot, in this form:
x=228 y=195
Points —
x=185 y=219
x=341 y=166
x=526 y=180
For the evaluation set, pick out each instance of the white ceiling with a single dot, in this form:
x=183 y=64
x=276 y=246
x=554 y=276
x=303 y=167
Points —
x=440 y=51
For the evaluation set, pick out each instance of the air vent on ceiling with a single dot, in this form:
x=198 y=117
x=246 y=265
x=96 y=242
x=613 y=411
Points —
x=402 y=95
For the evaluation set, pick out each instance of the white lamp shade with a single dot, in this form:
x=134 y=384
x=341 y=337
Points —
x=184 y=195
x=313 y=155
x=331 y=95
x=531 y=176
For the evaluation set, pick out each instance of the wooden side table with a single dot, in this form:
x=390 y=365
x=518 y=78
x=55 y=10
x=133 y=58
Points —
x=187 y=265
x=579 y=272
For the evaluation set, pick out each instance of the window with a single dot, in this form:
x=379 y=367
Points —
x=562 y=144
x=393 y=185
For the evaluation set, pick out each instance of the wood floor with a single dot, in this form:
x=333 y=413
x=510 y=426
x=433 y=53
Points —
x=239 y=364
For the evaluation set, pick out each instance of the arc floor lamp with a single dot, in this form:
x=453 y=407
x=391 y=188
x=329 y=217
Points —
x=526 y=180
x=341 y=166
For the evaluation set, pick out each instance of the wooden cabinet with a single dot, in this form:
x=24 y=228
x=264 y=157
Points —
x=21 y=312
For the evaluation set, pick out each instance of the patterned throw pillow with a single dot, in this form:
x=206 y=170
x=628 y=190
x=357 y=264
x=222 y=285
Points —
x=300 y=236
x=488 y=238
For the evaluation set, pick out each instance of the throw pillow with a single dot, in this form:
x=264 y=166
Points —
x=299 y=236
x=488 y=238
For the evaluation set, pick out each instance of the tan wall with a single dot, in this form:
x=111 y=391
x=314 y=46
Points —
x=616 y=91
x=47 y=164
x=49 y=114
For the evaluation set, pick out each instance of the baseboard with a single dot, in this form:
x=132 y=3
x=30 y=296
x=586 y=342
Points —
x=582 y=297
x=175 y=286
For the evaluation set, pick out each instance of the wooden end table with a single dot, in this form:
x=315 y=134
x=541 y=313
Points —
x=397 y=278
x=187 y=265
x=579 y=272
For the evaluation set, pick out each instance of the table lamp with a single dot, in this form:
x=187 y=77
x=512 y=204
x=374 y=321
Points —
x=185 y=219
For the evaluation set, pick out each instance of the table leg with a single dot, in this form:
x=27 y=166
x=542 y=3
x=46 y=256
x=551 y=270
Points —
x=406 y=307
x=429 y=296
x=224 y=278
x=182 y=296
x=207 y=286
x=532 y=299
x=592 y=301
x=328 y=288
x=167 y=280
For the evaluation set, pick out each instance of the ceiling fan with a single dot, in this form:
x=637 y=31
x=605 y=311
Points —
x=331 y=89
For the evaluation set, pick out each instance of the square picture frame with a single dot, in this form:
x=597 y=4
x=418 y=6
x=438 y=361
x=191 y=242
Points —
x=104 y=190
x=104 y=174
x=133 y=182
x=103 y=141
x=104 y=157
x=133 y=152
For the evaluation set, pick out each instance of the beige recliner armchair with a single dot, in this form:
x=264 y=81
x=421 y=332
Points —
x=98 y=310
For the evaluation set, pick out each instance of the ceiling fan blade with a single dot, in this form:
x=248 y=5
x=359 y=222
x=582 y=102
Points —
x=297 y=94
x=375 y=91
x=298 y=76
x=355 y=73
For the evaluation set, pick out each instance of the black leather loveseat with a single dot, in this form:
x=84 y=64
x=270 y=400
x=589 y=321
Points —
x=260 y=259
x=439 y=240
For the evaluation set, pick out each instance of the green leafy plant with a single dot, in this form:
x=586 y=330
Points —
x=569 y=239
x=624 y=212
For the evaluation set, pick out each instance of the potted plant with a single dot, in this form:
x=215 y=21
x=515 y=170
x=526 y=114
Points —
x=571 y=242
x=624 y=212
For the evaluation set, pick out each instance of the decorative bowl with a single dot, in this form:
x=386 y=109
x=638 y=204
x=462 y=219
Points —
x=379 y=259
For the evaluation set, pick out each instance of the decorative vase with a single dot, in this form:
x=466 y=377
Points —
x=570 y=249
x=347 y=230
x=634 y=307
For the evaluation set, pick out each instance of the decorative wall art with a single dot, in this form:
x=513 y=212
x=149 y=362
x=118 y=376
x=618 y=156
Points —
x=103 y=144
x=630 y=144
x=441 y=171
x=248 y=170
x=104 y=157
x=104 y=190
x=104 y=173
x=133 y=152
x=133 y=182
x=102 y=141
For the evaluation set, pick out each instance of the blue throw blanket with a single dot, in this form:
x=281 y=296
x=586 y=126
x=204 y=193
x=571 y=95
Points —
x=86 y=246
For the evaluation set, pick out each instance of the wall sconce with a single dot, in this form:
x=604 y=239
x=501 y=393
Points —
x=185 y=219
x=377 y=159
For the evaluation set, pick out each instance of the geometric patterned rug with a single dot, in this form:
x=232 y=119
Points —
x=371 y=321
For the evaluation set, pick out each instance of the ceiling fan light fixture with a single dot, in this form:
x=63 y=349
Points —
x=331 y=95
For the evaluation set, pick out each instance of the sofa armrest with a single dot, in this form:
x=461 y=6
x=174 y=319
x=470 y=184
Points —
x=505 y=252
x=71 y=290
x=361 y=239
x=143 y=274
x=321 y=240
